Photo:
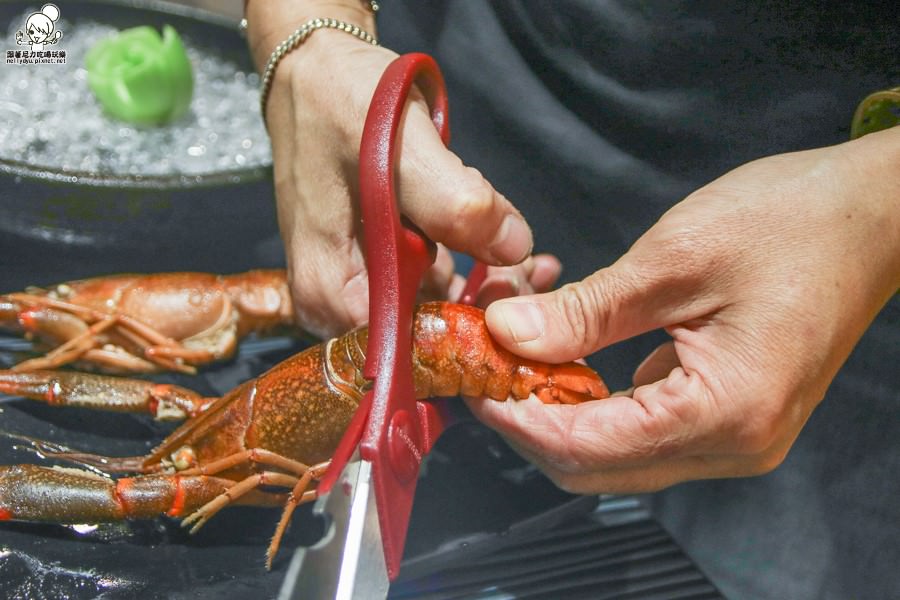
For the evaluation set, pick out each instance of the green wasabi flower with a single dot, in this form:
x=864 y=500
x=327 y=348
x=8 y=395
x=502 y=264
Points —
x=141 y=77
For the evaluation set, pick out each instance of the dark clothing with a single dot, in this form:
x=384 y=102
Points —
x=594 y=118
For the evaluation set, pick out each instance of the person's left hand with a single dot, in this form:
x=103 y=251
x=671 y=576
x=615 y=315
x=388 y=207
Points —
x=536 y=274
x=765 y=279
x=319 y=98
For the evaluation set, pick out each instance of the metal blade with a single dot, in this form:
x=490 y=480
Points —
x=348 y=562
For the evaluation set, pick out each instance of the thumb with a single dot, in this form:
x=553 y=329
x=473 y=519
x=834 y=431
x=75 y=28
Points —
x=578 y=319
x=454 y=204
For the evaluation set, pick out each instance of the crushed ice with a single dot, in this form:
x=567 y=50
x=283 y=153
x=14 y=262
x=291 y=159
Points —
x=49 y=118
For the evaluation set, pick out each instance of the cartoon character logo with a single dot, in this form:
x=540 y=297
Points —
x=39 y=29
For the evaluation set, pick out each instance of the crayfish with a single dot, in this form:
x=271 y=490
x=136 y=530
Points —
x=275 y=432
x=147 y=323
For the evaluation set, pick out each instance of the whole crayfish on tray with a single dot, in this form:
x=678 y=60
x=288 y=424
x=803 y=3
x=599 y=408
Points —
x=264 y=443
x=147 y=323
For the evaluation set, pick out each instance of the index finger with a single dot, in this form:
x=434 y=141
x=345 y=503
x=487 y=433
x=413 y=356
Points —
x=454 y=204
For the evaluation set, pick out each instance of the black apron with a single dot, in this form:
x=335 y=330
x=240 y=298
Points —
x=594 y=118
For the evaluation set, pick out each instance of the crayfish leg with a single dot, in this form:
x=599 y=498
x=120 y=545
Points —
x=300 y=479
x=198 y=518
x=69 y=388
x=111 y=360
x=71 y=350
x=59 y=495
x=75 y=331
x=47 y=324
x=299 y=495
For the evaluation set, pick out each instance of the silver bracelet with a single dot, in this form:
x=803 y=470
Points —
x=297 y=38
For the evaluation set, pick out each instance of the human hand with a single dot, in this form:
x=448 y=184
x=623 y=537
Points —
x=535 y=275
x=765 y=279
x=316 y=110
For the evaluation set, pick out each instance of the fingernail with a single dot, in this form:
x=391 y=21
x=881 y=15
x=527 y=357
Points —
x=512 y=243
x=524 y=320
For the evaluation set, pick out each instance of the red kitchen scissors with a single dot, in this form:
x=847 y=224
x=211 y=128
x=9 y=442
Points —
x=367 y=492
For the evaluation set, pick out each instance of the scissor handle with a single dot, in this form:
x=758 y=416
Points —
x=392 y=429
x=476 y=277
x=396 y=438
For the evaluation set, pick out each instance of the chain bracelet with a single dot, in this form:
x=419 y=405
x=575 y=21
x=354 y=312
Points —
x=298 y=37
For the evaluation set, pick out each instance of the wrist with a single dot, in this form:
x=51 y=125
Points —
x=270 y=22
x=875 y=158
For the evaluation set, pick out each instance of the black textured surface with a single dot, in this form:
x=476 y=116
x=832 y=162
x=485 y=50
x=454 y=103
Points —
x=619 y=551
x=594 y=118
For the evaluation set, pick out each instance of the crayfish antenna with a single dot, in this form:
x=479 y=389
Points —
x=96 y=462
x=107 y=464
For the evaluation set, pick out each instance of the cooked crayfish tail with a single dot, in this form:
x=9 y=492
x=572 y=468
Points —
x=70 y=388
x=455 y=353
x=64 y=495
x=571 y=383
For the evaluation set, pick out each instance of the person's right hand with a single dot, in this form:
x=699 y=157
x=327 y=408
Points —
x=316 y=110
x=765 y=279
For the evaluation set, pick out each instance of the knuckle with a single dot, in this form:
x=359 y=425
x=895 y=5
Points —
x=673 y=410
x=573 y=304
x=581 y=310
x=685 y=253
x=473 y=200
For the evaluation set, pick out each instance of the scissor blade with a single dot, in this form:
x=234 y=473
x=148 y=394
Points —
x=348 y=563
